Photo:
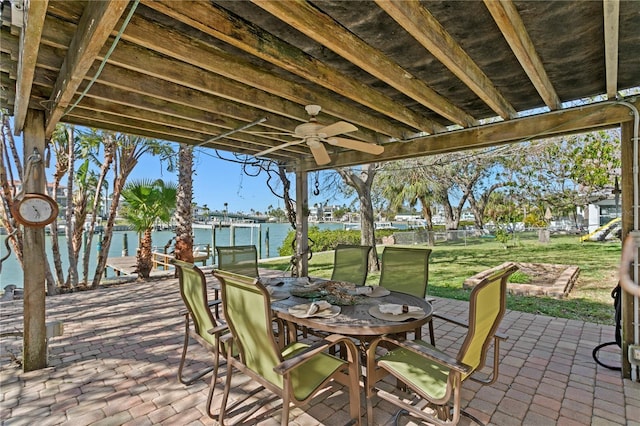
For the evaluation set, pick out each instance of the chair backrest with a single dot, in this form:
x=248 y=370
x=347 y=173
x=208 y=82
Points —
x=247 y=309
x=405 y=270
x=242 y=260
x=193 y=289
x=351 y=263
x=487 y=305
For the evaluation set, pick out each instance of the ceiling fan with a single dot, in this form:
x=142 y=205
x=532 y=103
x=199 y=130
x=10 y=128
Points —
x=315 y=135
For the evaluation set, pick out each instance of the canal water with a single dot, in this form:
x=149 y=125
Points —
x=267 y=237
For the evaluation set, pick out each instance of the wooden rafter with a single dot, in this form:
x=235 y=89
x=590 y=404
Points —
x=510 y=23
x=94 y=28
x=240 y=33
x=611 y=28
x=28 y=55
x=566 y=121
x=152 y=36
x=323 y=29
x=421 y=24
x=118 y=99
x=149 y=123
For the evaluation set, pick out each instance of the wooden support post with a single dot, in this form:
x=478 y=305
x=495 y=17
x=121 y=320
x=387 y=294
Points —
x=627 y=187
x=302 y=225
x=35 y=331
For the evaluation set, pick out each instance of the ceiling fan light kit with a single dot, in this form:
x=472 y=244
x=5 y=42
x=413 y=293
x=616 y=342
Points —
x=314 y=134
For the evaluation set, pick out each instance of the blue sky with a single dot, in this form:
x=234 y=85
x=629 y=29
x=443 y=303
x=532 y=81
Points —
x=215 y=182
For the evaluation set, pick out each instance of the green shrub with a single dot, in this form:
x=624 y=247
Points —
x=519 y=277
x=321 y=240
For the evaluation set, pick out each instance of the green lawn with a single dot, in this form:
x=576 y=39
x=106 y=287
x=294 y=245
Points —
x=452 y=262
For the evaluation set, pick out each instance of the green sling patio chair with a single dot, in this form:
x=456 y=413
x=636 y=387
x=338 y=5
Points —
x=295 y=372
x=351 y=263
x=406 y=270
x=435 y=377
x=200 y=324
x=242 y=260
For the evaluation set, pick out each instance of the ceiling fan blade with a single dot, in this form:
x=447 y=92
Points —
x=320 y=153
x=275 y=148
x=357 y=145
x=337 y=128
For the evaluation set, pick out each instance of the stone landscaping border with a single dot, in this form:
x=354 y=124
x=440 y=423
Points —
x=548 y=279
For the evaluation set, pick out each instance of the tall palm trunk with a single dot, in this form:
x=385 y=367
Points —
x=144 y=260
x=72 y=278
x=109 y=152
x=184 y=229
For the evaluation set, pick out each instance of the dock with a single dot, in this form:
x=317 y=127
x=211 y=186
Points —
x=126 y=265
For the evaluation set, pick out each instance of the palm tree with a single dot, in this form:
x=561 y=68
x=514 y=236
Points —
x=127 y=153
x=147 y=201
x=184 y=229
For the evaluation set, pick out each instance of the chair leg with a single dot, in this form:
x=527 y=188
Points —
x=225 y=396
x=432 y=336
x=212 y=387
x=190 y=380
x=285 y=411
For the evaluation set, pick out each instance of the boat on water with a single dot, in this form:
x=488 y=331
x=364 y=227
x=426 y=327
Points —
x=385 y=225
x=352 y=226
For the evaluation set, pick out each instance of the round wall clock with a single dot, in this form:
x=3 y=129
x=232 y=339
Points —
x=35 y=210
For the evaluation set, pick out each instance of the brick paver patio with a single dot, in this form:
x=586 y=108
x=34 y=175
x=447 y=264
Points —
x=116 y=364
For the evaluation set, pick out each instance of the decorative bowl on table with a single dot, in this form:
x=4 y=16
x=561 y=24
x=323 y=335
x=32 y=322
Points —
x=335 y=292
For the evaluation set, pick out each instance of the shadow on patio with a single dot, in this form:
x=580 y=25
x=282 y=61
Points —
x=117 y=360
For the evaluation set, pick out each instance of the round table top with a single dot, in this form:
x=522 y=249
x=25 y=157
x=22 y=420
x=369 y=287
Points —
x=355 y=320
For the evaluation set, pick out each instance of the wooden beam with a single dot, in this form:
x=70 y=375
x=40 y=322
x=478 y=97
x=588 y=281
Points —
x=627 y=186
x=302 y=223
x=141 y=71
x=244 y=35
x=35 y=330
x=95 y=26
x=574 y=120
x=197 y=53
x=29 y=46
x=173 y=121
x=322 y=28
x=611 y=9
x=423 y=26
x=510 y=23
x=123 y=125
x=163 y=66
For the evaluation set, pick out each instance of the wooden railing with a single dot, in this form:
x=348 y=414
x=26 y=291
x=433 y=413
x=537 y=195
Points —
x=201 y=253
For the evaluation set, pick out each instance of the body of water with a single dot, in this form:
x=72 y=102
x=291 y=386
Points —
x=267 y=237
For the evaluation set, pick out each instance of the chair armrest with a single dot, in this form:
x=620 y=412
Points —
x=218 y=329
x=321 y=346
x=464 y=324
x=456 y=321
x=426 y=351
x=501 y=336
x=214 y=302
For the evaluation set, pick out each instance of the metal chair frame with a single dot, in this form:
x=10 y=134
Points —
x=276 y=367
x=351 y=263
x=199 y=324
x=487 y=300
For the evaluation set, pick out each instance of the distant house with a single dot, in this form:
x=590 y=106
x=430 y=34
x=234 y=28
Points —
x=600 y=213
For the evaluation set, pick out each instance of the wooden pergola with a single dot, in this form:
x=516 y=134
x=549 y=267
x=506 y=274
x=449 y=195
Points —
x=415 y=77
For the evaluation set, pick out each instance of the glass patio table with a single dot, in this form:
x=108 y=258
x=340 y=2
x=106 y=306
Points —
x=361 y=320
